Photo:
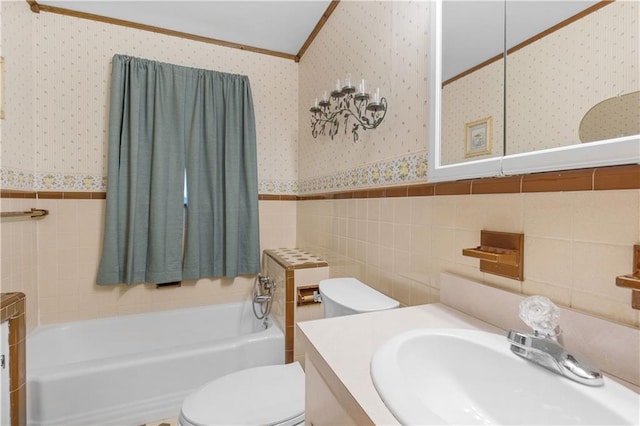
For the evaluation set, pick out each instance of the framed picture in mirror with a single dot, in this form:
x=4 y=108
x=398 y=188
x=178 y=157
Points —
x=479 y=135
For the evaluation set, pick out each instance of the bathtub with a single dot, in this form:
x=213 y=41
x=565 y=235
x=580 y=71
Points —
x=133 y=369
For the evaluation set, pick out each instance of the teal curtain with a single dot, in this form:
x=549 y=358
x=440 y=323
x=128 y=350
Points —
x=164 y=120
x=222 y=226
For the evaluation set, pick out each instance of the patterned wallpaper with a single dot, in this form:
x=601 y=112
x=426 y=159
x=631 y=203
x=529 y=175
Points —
x=57 y=72
x=474 y=97
x=1 y=106
x=17 y=161
x=386 y=44
x=566 y=78
x=67 y=62
x=402 y=169
x=551 y=84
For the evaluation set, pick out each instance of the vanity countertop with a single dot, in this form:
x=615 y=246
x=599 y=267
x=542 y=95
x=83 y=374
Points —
x=341 y=348
x=343 y=357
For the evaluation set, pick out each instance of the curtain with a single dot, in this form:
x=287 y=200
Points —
x=221 y=179
x=164 y=120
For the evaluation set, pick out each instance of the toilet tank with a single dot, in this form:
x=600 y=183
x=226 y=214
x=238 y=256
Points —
x=347 y=296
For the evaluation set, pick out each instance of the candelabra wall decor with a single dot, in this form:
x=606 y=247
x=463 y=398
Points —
x=343 y=103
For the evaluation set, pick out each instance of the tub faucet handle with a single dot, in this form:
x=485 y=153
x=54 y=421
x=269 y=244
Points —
x=266 y=282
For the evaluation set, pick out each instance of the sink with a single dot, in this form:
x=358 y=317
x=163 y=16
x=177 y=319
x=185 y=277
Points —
x=460 y=376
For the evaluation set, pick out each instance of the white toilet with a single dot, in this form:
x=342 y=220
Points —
x=274 y=394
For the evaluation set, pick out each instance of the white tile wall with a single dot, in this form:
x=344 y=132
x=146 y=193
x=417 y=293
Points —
x=54 y=261
x=18 y=264
x=576 y=243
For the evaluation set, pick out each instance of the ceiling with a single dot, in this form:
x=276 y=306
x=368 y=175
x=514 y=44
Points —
x=471 y=37
x=278 y=26
x=473 y=30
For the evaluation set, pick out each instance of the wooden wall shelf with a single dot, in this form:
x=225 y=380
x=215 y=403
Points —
x=493 y=254
x=500 y=253
x=632 y=280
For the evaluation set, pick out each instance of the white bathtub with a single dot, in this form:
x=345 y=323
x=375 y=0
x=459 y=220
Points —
x=133 y=369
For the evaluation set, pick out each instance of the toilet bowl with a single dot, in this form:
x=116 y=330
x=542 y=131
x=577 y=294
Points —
x=274 y=394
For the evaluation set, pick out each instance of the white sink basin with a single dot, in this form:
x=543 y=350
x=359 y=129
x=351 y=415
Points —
x=458 y=376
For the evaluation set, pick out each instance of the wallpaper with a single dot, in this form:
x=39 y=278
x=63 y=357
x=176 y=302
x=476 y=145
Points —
x=477 y=96
x=66 y=61
x=569 y=72
x=17 y=161
x=57 y=75
x=403 y=169
x=384 y=43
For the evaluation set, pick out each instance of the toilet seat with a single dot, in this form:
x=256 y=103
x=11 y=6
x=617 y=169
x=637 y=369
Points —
x=268 y=395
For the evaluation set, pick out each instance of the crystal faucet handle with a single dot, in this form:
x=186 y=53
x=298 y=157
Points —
x=539 y=313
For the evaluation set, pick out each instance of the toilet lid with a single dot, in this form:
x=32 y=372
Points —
x=265 y=395
x=355 y=295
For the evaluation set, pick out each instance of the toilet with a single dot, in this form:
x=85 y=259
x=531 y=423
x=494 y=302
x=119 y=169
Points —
x=274 y=394
x=348 y=296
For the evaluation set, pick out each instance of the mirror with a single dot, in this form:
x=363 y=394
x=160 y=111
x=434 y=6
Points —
x=551 y=82
x=612 y=118
x=472 y=80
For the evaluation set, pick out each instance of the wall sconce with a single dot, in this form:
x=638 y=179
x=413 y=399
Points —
x=343 y=103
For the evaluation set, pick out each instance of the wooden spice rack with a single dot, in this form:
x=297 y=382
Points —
x=632 y=281
x=500 y=253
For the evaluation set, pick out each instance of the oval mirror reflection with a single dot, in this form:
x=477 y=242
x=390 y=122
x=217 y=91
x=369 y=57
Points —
x=612 y=118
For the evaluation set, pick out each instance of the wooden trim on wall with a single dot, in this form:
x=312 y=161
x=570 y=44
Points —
x=34 y=6
x=53 y=195
x=473 y=69
x=37 y=8
x=323 y=20
x=13 y=309
x=531 y=40
x=10 y=193
x=560 y=25
x=594 y=179
x=277 y=197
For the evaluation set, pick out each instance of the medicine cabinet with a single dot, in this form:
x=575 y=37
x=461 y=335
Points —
x=521 y=111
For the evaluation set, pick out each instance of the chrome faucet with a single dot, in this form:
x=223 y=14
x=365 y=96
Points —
x=544 y=351
x=542 y=346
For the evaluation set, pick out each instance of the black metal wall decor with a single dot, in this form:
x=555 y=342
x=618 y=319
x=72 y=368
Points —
x=344 y=102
